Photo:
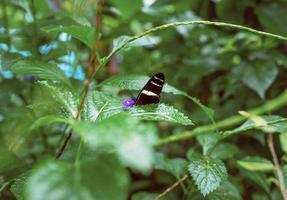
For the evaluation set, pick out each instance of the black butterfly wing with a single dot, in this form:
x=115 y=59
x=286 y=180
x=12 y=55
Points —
x=151 y=91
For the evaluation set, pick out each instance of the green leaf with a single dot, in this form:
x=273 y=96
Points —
x=56 y=100
x=7 y=60
x=260 y=76
x=175 y=166
x=256 y=164
x=224 y=150
x=99 y=106
x=283 y=140
x=226 y=191
x=208 y=141
x=17 y=188
x=128 y=7
x=251 y=124
x=160 y=112
x=134 y=82
x=256 y=177
x=84 y=34
x=272 y=17
x=100 y=178
x=207 y=173
x=47 y=120
x=43 y=70
x=137 y=82
x=122 y=133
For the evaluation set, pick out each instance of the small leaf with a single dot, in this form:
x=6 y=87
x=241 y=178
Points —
x=41 y=69
x=226 y=191
x=175 y=166
x=207 y=173
x=251 y=124
x=256 y=164
x=160 y=112
x=84 y=34
x=260 y=76
x=100 y=178
x=122 y=133
x=208 y=141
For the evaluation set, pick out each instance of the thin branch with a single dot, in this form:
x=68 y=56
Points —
x=93 y=65
x=171 y=187
x=277 y=169
x=269 y=106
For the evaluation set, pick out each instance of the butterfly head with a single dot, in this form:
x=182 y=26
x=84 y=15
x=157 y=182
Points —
x=129 y=103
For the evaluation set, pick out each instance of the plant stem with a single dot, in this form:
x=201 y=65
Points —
x=171 y=187
x=277 y=169
x=93 y=66
x=269 y=106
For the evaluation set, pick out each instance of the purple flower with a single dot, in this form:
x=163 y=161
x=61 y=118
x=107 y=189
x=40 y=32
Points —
x=128 y=103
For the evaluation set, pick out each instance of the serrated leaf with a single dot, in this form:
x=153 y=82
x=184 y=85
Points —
x=226 y=191
x=160 y=112
x=56 y=100
x=99 y=106
x=137 y=82
x=122 y=133
x=101 y=178
x=84 y=34
x=175 y=166
x=134 y=82
x=256 y=164
x=260 y=76
x=207 y=173
x=40 y=69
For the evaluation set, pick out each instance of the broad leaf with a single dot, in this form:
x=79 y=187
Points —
x=256 y=164
x=121 y=133
x=7 y=60
x=137 y=82
x=99 y=106
x=175 y=166
x=283 y=140
x=207 y=173
x=55 y=100
x=47 y=120
x=224 y=150
x=100 y=178
x=129 y=7
x=285 y=175
x=40 y=69
x=84 y=34
x=260 y=76
x=160 y=112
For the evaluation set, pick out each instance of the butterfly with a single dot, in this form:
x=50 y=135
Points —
x=150 y=93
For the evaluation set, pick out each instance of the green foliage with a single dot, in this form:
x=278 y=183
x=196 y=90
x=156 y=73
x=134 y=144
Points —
x=67 y=66
x=62 y=180
x=207 y=173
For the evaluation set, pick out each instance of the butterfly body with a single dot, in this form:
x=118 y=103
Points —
x=150 y=93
